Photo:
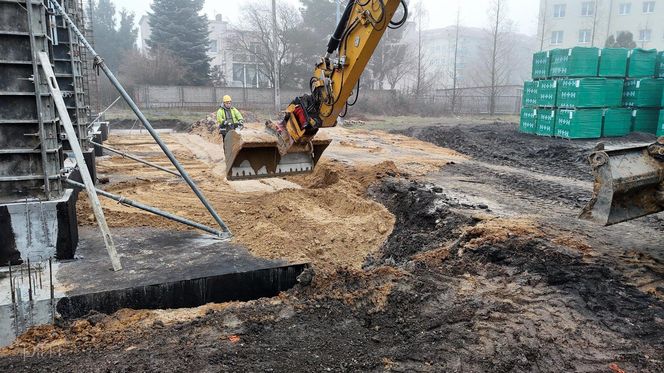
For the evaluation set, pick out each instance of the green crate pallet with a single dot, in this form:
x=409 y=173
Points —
x=547 y=92
x=579 y=124
x=528 y=122
x=530 y=97
x=546 y=122
x=541 y=65
x=645 y=120
x=617 y=122
x=614 y=92
x=642 y=63
x=660 y=124
x=613 y=62
x=589 y=93
x=643 y=93
x=659 y=72
x=574 y=62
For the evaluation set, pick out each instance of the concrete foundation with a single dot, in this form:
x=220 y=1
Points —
x=162 y=269
x=36 y=230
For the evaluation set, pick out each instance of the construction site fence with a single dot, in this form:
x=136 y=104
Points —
x=382 y=102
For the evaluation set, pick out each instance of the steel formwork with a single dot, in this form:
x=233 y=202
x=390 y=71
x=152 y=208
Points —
x=69 y=71
x=31 y=154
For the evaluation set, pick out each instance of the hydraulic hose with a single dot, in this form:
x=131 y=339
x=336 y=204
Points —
x=333 y=44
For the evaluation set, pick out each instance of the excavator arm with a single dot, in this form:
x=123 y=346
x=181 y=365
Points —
x=294 y=146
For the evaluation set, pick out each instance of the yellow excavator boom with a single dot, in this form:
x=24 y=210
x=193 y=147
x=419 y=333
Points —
x=293 y=146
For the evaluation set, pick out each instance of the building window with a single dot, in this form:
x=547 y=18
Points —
x=648 y=7
x=559 y=10
x=213 y=46
x=645 y=35
x=584 y=36
x=557 y=37
x=587 y=8
x=625 y=9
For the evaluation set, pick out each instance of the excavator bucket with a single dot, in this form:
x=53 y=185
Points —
x=254 y=154
x=628 y=185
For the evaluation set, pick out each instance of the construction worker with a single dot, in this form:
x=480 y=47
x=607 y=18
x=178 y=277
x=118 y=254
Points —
x=228 y=117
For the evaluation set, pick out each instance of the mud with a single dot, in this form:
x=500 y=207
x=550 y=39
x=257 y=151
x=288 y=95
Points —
x=501 y=143
x=518 y=302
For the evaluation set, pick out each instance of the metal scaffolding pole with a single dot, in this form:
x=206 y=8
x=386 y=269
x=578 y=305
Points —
x=150 y=209
x=139 y=160
x=99 y=62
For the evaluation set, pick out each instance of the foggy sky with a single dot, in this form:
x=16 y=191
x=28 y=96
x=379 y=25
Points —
x=441 y=12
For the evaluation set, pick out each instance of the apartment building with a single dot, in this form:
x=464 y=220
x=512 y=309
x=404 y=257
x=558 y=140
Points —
x=570 y=23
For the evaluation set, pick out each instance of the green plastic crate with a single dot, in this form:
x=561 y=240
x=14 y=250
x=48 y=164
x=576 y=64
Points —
x=547 y=92
x=613 y=62
x=589 y=93
x=579 y=123
x=642 y=93
x=614 y=92
x=659 y=71
x=574 y=62
x=645 y=120
x=546 y=122
x=530 y=94
x=660 y=124
x=541 y=65
x=642 y=63
x=528 y=122
x=617 y=122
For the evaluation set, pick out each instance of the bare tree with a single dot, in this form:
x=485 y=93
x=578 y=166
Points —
x=254 y=38
x=497 y=64
x=455 y=65
x=424 y=66
x=389 y=61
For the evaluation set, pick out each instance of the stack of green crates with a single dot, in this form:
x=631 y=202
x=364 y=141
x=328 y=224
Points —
x=528 y=122
x=579 y=124
x=541 y=65
x=642 y=63
x=645 y=120
x=574 y=62
x=589 y=93
x=547 y=93
x=617 y=122
x=643 y=93
x=530 y=95
x=546 y=122
x=659 y=71
x=613 y=62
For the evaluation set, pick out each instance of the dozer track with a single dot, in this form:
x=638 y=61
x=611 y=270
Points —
x=254 y=154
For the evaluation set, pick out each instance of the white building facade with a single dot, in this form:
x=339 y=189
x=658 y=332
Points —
x=570 y=23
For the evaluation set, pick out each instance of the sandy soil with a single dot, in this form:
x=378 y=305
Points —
x=480 y=265
x=335 y=225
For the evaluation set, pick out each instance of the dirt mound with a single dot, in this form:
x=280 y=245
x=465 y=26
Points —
x=331 y=226
x=173 y=124
x=332 y=172
x=208 y=129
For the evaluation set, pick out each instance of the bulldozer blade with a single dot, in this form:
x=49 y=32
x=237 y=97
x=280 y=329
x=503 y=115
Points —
x=254 y=154
x=628 y=185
